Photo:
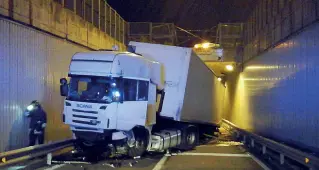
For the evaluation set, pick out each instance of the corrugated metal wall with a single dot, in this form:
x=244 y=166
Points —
x=31 y=64
x=277 y=93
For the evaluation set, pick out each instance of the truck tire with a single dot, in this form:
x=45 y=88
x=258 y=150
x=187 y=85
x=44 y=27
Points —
x=141 y=142
x=81 y=145
x=189 y=138
x=88 y=147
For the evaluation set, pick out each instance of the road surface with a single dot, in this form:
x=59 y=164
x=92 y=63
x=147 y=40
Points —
x=221 y=154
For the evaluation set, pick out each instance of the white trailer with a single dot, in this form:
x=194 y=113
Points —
x=188 y=83
x=149 y=99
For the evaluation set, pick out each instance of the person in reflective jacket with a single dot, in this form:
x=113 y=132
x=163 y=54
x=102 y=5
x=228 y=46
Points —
x=37 y=124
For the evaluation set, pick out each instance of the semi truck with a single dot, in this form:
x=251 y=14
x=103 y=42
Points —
x=150 y=99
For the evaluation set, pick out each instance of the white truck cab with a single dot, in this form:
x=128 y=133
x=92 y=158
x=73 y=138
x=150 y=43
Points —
x=109 y=94
x=109 y=85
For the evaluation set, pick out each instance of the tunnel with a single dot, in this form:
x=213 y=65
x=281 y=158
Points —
x=271 y=91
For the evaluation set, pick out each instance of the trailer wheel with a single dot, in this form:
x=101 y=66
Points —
x=189 y=138
x=141 y=142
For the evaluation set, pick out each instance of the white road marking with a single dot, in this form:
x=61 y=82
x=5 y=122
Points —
x=265 y=167
x=55 y=167
x=260 y=163
x=161 y=163
x=218 y=145
x=214 y=154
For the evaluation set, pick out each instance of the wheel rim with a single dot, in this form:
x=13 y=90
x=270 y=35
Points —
x=191 y=138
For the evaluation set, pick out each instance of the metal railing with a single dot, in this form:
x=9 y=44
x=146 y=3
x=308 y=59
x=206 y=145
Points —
x=272 y=22
x=230 y=35
x=163 y=33
x=285 y=152
x=24 y=154
x=90 y=23
x=100 y=14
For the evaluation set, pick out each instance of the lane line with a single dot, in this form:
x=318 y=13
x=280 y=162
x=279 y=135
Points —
x=161 y=163
x=260 y=163
x=215 y=154
x=55 y=167
x=218 y=145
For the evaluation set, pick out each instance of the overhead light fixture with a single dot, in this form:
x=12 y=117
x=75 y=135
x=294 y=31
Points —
x=229 y=67
x=196 y=46
x=219 y=79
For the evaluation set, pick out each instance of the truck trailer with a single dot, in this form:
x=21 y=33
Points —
x=150 y=99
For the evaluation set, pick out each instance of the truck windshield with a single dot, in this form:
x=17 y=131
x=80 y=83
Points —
x=93 y=89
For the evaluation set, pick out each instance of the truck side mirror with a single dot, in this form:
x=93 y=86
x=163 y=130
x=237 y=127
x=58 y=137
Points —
x=64 y=88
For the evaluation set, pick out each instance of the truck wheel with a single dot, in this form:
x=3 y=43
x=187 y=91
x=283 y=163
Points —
x=86 y=147
x=141 y=142
x=189 y=138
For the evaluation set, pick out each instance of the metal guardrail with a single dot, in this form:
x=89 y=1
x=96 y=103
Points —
x=20 y=155
x=305 y=159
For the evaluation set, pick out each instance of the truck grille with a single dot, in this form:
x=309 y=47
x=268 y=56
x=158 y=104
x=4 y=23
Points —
x=85 y=128
x=84 y=122
x=86 y=117
x=84 y=111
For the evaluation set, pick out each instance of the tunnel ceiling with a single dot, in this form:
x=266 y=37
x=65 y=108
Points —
x=189 y=14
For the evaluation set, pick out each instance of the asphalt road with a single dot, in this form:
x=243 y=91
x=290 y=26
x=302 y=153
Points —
x=221 y=154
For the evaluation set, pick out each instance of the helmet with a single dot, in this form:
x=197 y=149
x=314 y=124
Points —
x=35 y=103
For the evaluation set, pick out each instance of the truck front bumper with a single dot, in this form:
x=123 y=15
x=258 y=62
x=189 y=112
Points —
x=107 y=135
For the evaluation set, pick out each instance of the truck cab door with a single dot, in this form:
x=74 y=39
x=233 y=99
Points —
x=151 y=106
x=132 y=110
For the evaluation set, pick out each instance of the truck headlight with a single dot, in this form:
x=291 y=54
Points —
x=116 y=96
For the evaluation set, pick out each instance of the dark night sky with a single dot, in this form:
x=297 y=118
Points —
x=189 y=14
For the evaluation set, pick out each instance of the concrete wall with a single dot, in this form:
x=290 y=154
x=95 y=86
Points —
x=276 y=95
x=31 y=65
x=53 y=17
